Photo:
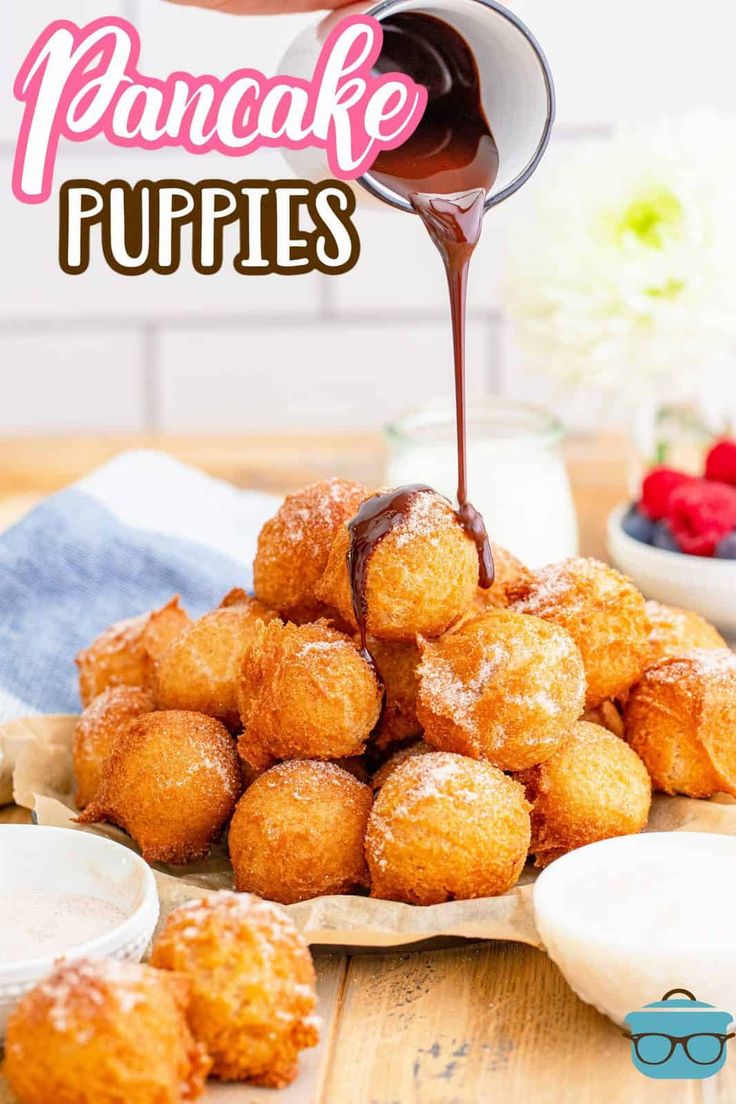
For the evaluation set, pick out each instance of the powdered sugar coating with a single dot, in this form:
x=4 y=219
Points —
x=420 y=577
x=97 y=730
x=294 y=545
x=504 y=687
x=674 y=631
x=681 y=719
x=101 y=1032
x=252 y=980
x=125 y=653
x=446 y=827
x=604 y=613
x=305 y=692
x=171 y=781
x=298 y=832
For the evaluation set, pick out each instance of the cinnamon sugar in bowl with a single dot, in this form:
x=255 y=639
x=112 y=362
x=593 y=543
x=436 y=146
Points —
x=67 y=894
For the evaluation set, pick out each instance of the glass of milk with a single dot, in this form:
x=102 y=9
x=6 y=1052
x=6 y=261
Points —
x=516 y=472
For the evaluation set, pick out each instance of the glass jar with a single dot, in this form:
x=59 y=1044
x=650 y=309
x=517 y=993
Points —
x=516 y=472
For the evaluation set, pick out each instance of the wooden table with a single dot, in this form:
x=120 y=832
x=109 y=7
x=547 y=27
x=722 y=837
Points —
x=485 y=1023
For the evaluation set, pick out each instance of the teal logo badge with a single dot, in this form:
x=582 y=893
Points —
x=678 y=1038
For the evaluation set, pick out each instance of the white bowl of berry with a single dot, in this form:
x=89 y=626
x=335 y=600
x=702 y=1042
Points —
x=678 y=540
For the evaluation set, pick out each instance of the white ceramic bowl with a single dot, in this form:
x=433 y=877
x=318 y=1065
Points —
x=62 y=860
x=627 y=919
x=692 y=582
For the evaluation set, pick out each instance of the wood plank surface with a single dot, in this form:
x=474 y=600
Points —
x=486 y=1023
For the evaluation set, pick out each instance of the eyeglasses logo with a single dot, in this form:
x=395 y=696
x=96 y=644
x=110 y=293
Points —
x=678 y=1039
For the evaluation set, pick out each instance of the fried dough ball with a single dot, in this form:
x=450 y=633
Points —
x=603 y=612
x=298 y=832
x=104 y=1032
x=592 y=788
x=305 y=692
x=420 y=747
x=608 y=715
x=200 y=669
x=508 y=572
x=171 y=782
x=504 y=687
x=293 y=546
x=445 y=827
x=420 y=578
x=252 y=981
x=676 y=631
x=125 y=654
x=397 y=662
x=681 y=721
x=96 y=732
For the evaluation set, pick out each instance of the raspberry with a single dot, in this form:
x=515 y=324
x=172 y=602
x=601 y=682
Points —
x=657 y=488
x=720 y=463
x=700 y=514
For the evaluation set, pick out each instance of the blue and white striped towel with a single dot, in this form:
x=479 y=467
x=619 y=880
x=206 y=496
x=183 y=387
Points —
x=119 y=542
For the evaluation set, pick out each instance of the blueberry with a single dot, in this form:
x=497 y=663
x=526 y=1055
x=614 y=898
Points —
x=726 y=547
x=637 y=525
x=662 y=537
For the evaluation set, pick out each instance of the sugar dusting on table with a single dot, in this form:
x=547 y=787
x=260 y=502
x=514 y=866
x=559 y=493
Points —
x=40 y=923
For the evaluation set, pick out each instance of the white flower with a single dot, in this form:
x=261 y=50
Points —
x=623 y=276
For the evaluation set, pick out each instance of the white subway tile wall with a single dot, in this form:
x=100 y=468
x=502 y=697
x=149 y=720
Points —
x=229 y=352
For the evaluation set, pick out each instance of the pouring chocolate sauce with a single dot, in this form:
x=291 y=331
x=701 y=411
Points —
x=445 y=170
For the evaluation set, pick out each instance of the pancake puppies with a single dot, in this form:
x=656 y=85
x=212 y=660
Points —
x=171 y=781
x=104 y=1032
x=97 y=730
x=681 y=721
x=674 y=631
x=503 y=687
x=125 y=654
x=298 y=832
x=592 y=788
x=199 y=670
x=305 y=692
x=421 y=577
x=603 y=612
x=443 y=828
x=252 y=985
x=397 y=662
x=293 y=547
x=508 y=572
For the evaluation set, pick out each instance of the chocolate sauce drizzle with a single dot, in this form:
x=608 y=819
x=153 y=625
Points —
x=445 y=170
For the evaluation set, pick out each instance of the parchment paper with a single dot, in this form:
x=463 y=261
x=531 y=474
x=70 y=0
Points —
x=40 y=750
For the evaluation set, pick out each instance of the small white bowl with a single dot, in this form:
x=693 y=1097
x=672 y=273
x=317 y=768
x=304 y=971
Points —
x=692 y=582
x=627 y=919
x=62 y=860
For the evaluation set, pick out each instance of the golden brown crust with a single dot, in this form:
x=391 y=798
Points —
x=200 y=669
x=445 y=827
x=252 y=985
x=104 y=1032
x=125 y=654
x=420 y=579
x=305 y=692
x=603 y=612
x=397 y=662
x=294 y=545
x=508 y=572
x=298 y=832
x=674 y=631
x=608 y=715
x=504 y=687
x=171 y=781
x=96 y=732
x=419 y=747
x=593 y=787
x=681 y=718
